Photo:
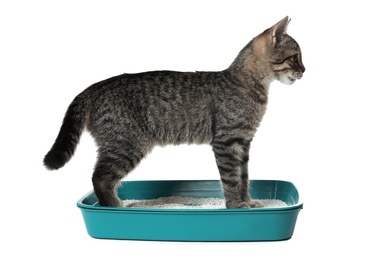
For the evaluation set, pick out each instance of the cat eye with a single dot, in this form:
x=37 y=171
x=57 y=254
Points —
x=294 y=58
x=280 y=61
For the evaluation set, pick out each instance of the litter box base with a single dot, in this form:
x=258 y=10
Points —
x=254 y=224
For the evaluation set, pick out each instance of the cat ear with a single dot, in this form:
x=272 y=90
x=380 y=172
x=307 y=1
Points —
x=278 y=30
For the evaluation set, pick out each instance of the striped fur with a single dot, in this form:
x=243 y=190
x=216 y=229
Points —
x=131 y=113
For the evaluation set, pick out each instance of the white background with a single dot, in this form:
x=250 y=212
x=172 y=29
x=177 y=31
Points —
x=328 y=133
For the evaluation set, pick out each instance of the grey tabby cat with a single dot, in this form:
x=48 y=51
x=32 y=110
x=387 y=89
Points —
x=131 y=113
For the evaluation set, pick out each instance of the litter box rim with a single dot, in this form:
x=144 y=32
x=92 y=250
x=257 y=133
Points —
x=82 y=205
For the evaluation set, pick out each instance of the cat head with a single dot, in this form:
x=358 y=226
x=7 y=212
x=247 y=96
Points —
x=282 y=53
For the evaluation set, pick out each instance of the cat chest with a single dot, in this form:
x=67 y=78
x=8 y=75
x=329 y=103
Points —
x=238 y=119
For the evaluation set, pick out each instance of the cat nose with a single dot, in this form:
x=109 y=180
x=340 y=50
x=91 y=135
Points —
x=298 y=75
x=302 y=68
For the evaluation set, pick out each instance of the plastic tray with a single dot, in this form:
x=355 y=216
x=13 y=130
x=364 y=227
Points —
x=248 y=224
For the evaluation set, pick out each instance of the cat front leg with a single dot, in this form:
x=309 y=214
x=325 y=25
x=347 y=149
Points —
x=245 y=187
x=232 y=161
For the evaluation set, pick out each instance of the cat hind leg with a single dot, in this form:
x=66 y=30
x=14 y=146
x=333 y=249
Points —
x=110 y=169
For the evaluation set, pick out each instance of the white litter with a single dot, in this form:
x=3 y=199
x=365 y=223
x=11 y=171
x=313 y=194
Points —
x=178 y=202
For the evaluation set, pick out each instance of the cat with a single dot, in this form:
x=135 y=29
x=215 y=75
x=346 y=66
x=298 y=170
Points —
x=127 y=115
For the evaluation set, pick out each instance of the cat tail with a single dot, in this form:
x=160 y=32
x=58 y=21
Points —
x=69 y=135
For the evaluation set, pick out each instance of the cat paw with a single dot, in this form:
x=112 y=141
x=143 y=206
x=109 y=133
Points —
x=255 y=204
x=250 y=204
x=128 y=205
x=237 y=204
x=243 y=205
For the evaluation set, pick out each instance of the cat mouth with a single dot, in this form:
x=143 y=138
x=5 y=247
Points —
x=291 y=79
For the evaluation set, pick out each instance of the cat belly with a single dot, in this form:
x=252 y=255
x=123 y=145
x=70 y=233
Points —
x=184 y=132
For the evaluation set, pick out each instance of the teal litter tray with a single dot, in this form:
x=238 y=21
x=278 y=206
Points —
x=248 y=224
